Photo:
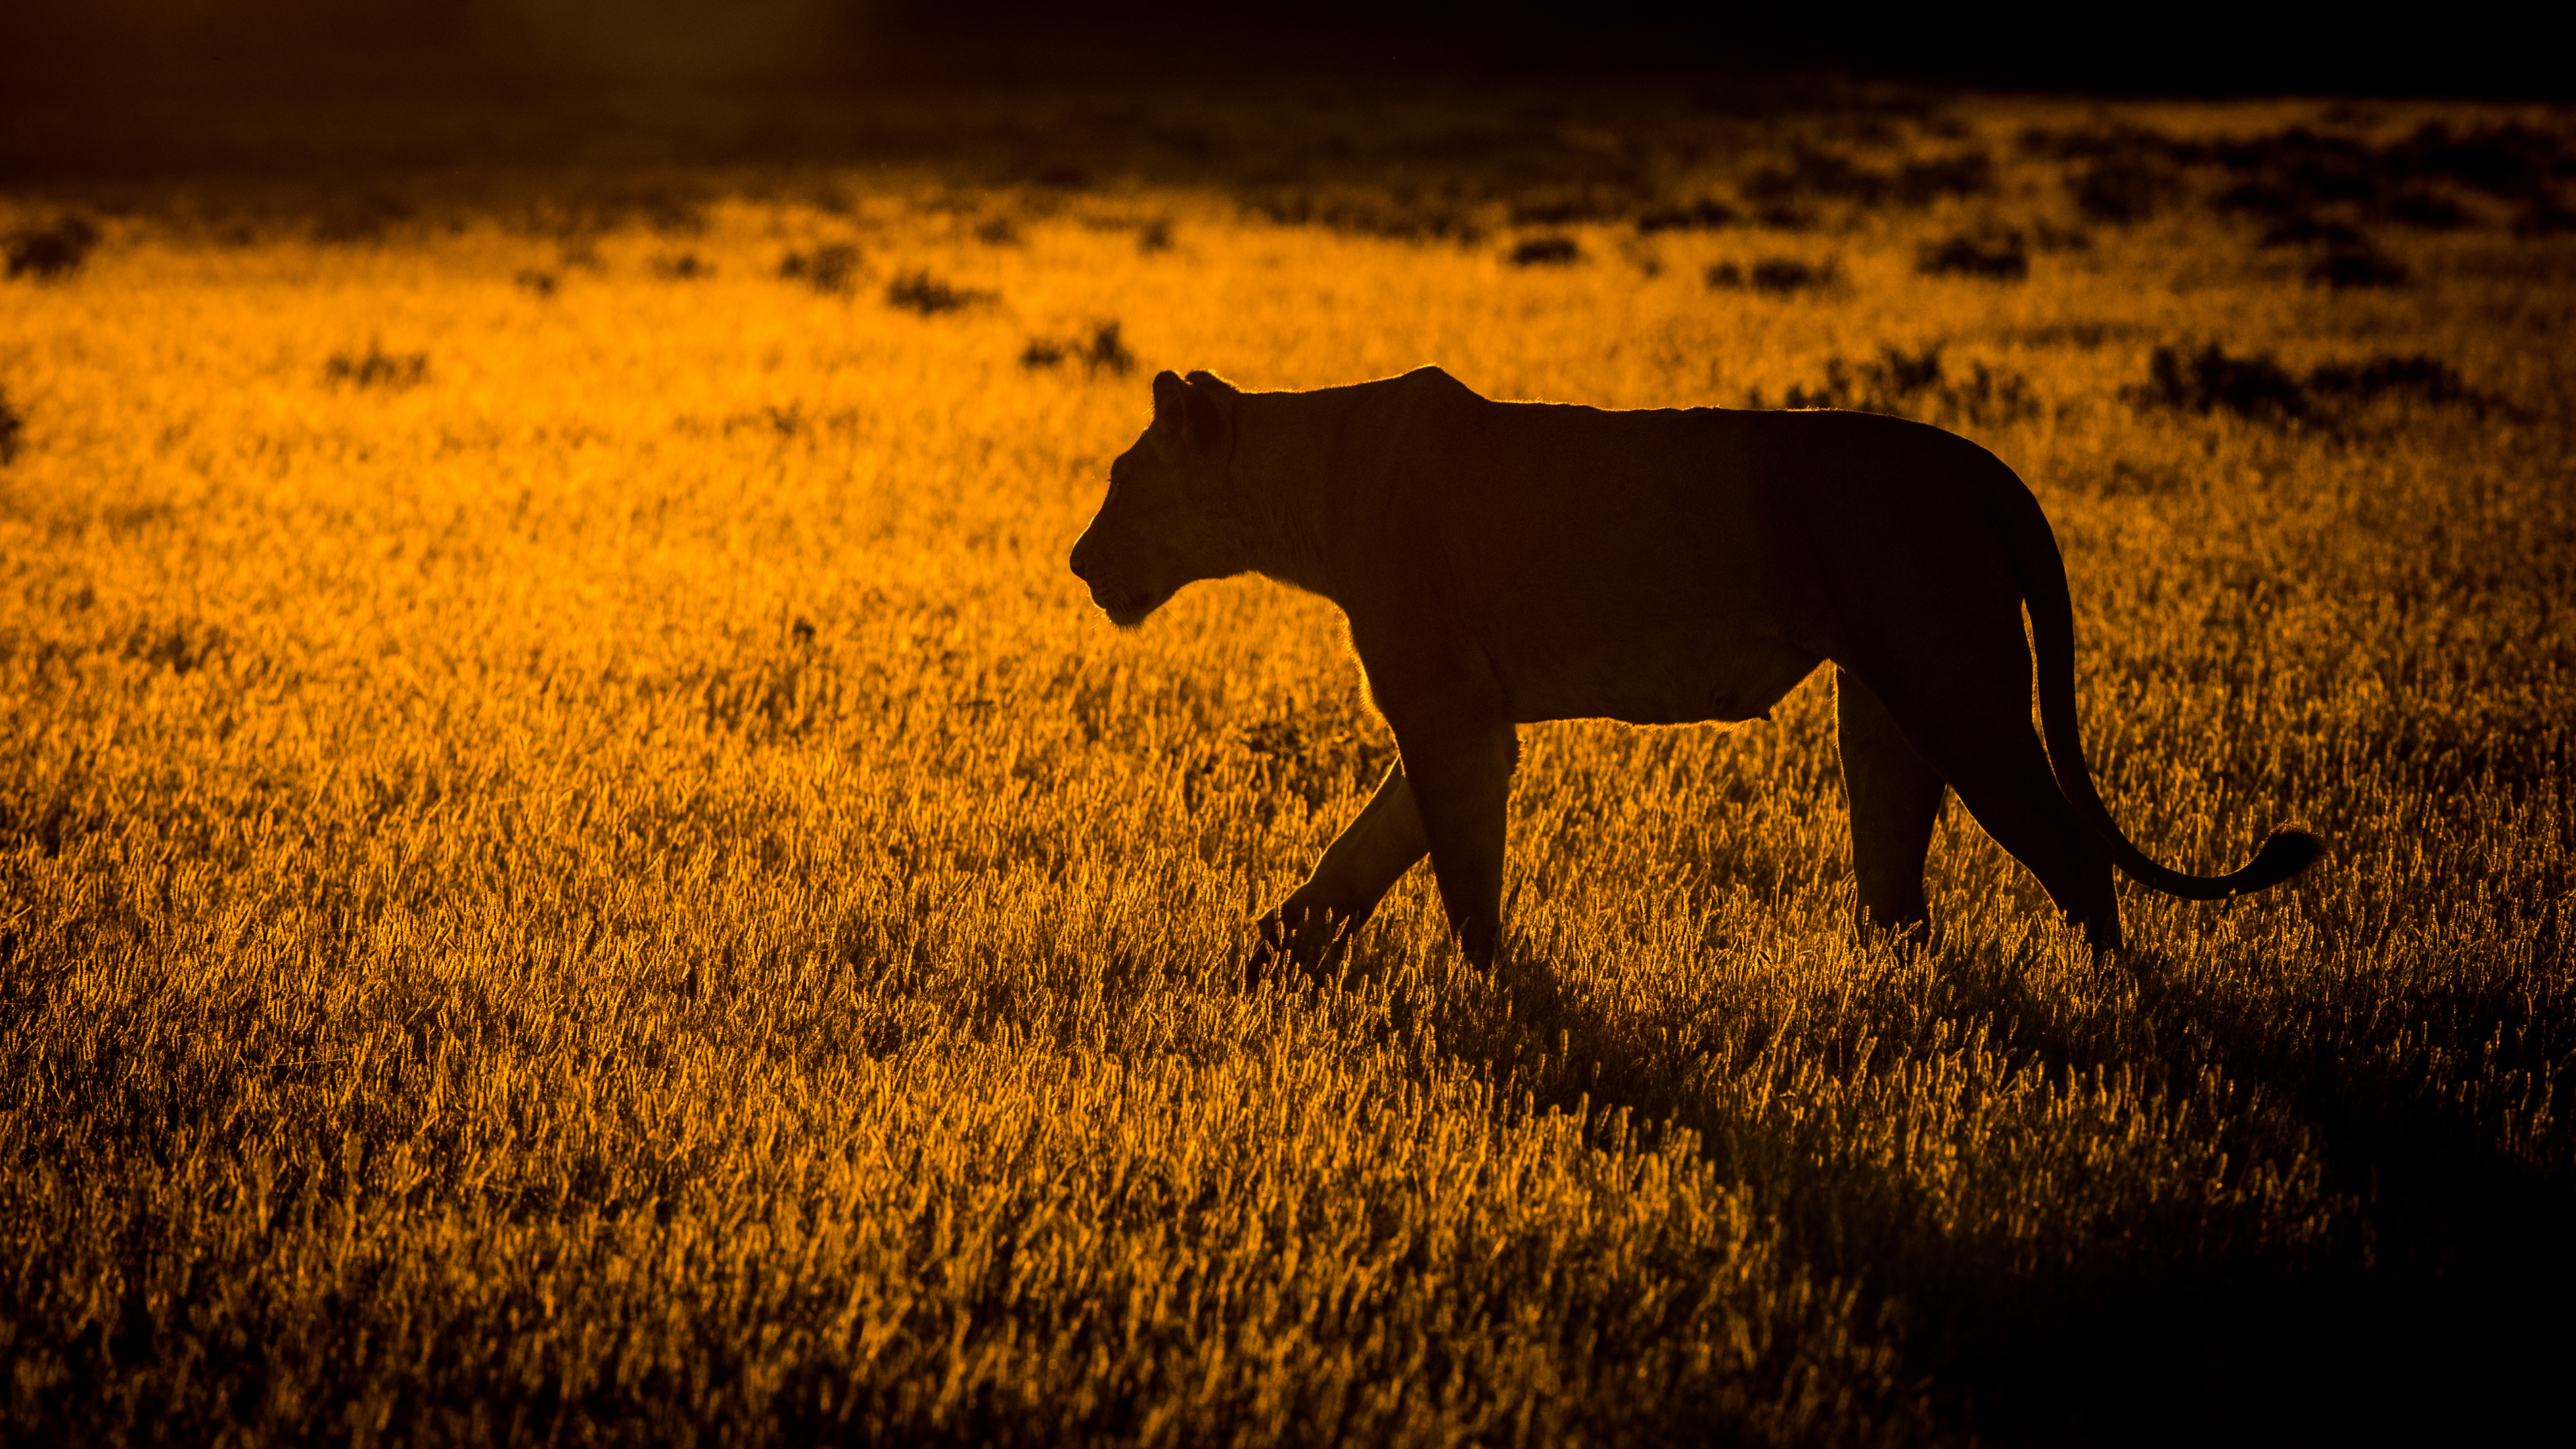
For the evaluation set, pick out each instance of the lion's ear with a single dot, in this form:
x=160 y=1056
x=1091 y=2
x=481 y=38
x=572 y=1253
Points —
x=1168 y=392
x=1186 y=419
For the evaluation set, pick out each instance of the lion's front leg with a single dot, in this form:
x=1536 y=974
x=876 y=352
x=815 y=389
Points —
x=1361 y=865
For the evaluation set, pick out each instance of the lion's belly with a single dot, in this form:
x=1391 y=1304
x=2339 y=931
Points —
x=1672 y=675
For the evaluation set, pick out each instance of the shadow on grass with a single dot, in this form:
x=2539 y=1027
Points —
x=2417 y=1293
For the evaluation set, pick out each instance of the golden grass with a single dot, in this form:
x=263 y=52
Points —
x=620 y=889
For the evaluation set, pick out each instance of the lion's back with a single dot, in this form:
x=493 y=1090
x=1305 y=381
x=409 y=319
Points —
x=1689 y=563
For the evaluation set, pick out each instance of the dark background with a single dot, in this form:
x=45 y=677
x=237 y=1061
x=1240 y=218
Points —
x=105 y=49
x=121 y=92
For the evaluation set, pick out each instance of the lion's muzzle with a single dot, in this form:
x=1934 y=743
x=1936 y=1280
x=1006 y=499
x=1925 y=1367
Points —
x=1125 y=605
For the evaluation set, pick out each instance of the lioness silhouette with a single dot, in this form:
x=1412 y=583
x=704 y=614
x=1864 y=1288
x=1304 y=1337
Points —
x=1503 y=563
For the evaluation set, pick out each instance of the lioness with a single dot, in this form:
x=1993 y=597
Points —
x=1505 y=563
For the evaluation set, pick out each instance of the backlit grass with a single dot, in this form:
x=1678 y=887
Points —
x=609 y=882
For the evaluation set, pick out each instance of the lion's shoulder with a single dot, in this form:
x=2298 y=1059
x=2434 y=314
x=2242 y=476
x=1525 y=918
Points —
x=1431 y=379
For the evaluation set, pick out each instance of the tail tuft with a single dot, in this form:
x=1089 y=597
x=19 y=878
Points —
x=2285 y=853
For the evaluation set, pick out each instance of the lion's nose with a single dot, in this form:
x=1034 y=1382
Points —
x=1080 y=562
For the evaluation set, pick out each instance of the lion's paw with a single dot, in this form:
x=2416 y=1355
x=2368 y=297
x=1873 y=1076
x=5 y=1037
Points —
x=1304 y=937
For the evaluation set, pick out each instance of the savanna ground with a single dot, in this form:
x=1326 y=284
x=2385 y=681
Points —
x=573 y=864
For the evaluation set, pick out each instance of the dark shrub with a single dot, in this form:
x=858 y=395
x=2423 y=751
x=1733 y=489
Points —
x=1902 y=375
x=2544 y=217
x=1780 y=276
x=1701 y=215
x=2260 y=199
x=1775 y=276
x=2388 y=375
x=2299 y=168
x=2122 y=189
x=1558 y=210
x=686 y=267
x=1403 y=215
x=2345 y=268
x=2428 y=211
x=2302 y=229
x=48 y=252
x=2254 y=387
x=923 y=293
x=1107 y=353
x=1546 y=251
x=1916 y=385
x=1154 y=236
x=1817 y=173
x=997 y=231
x=364 y=217
x=2005 y=260
x=2511 y=160
x=12 y=428
x=535 y=282
x=827 y=269
x=669 y=212
x=392 y=371
x=178 y=647
x=1970 y=173
x=2258 y=387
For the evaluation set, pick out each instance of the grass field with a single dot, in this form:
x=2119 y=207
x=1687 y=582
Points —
x=574 y=865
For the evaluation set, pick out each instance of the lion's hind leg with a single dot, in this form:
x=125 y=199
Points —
x=1966 y=709
x=1896 y=797
x=1361 y=865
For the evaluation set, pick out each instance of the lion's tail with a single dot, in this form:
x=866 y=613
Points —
x=2041 y=570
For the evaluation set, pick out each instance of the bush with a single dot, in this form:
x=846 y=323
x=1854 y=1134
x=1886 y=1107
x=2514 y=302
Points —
x=928 y=295
x=1701 y=215
x=2122 y=190
x=2258 y=387
x=392 y=371
x=2345 y=268
x=2005 y=260
x=686 y=267
x=1369 y=211
x=1818 y=173
x=1558 y=210
x=363 y=217
x=1970 y=173
x=828 y=269
x=2301 y=229
x=1106 y=352
x=1776 y=276
x=49 y=252
x=1546 y=251
x=2544 y=217
x=1915 y=385
x=2511 y=160
x=2298 y=169
x=12 y=428
x=2388 y=375
x=2427 y=211
x=2211 y=381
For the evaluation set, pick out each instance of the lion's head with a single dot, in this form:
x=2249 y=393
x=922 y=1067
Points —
x=1169 y=519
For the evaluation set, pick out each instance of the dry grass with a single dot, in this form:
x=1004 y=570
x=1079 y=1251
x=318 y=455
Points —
x=607 y=882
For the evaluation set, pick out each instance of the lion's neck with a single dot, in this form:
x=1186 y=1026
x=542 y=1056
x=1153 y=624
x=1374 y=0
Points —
x=1289 y=485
